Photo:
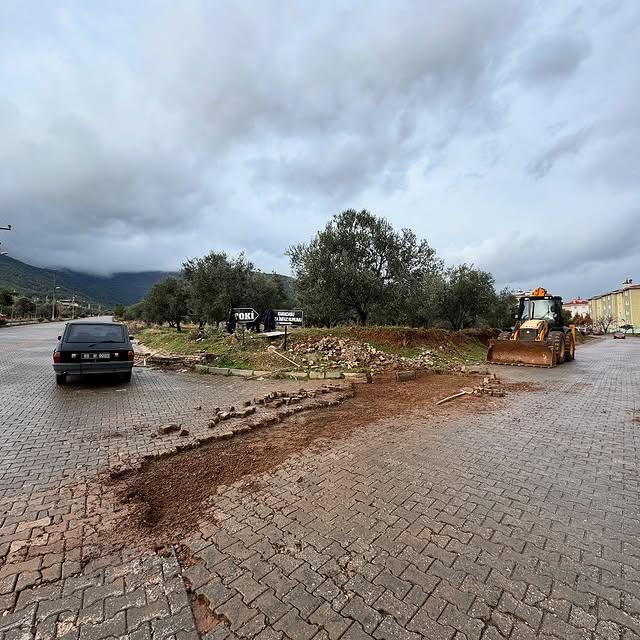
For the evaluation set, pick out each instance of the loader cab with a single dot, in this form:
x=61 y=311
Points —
x=547 y=308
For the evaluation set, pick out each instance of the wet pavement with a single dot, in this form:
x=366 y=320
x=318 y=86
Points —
x=522 y=522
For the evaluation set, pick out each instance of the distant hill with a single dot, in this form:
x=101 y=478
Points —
x=120 y=288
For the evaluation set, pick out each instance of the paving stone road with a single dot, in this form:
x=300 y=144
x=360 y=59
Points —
x=51 y=433
x=519 y=523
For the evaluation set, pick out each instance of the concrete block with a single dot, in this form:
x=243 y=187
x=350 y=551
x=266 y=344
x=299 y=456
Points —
x=218 y=371
x=358 y=378
x=403 y=376
x=201 y=368
x=316 y=375
x=244 y=373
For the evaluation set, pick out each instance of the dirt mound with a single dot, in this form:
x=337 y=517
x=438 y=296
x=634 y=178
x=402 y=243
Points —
x=408 y=337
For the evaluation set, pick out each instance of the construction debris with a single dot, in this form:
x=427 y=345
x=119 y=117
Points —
x=168 y=428
x=345 y=353
x=490 y=386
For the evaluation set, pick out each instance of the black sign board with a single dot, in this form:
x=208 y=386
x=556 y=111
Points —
x=289 y=317
x=245 y=315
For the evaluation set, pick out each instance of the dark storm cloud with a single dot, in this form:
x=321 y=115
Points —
x=590 y=257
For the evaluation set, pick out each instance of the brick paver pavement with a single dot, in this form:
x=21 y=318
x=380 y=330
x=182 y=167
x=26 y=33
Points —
x=50 y=433
x=519 y=523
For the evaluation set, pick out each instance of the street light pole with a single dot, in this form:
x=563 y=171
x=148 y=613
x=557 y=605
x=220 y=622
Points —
x=53 y=306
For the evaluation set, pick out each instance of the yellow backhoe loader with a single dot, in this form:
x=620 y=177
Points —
x=540 y=337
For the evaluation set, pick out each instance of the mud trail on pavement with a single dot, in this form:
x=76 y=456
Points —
x=168 y=496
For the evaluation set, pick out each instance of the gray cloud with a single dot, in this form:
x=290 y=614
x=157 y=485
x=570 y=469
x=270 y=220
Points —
x=134 y=139
x=554 y=57
x=567 y=145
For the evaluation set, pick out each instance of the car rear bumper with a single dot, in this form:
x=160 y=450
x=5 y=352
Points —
x=72 y=368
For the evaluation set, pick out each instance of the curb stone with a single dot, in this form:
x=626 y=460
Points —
x=296 y=375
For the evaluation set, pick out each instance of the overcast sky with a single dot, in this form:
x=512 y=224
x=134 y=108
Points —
x=134 y=135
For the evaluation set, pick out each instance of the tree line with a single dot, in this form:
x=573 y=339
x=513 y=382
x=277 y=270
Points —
x=358 y=269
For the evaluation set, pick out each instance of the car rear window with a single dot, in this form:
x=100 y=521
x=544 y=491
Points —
x=94 y=333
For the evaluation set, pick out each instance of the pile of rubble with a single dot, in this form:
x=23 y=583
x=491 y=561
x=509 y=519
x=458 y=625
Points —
x=274 y=407
x=345 y=353
x=490 y=386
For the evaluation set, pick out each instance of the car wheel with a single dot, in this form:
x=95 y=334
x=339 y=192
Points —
x=127 y=377
x=61 y=378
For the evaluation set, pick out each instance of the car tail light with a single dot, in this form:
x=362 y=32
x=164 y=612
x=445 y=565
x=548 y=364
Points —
x=130 y=356
x=56 y=356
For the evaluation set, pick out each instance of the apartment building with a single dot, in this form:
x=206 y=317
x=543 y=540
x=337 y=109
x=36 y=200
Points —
x=577 y=306
x=622 y=305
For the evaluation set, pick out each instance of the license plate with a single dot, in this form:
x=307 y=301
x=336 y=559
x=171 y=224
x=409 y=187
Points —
x=96 y=356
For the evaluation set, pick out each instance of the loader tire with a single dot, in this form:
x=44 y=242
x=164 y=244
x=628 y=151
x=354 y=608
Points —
x=557 y=341
x=569 y=347
x=504 y=335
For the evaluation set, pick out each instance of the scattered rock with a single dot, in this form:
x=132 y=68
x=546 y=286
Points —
x=184 y=432
x=168 y=428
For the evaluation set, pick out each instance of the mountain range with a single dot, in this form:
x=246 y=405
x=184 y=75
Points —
x=36 y=282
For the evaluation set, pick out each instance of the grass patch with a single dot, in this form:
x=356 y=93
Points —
x=447 y=348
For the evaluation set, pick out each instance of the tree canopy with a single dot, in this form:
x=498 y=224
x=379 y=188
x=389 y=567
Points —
x=467 y=294
x=166 y=302
x=357 y=265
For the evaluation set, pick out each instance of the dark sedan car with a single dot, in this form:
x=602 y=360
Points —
x=93 y=347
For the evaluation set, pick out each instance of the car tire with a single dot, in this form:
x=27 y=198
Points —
x=61 y=378
x=126 y=377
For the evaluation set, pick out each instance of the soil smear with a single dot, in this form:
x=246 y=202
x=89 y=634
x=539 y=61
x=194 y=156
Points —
x=169 y=496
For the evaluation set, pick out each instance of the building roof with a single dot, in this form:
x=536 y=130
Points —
x=626 y=287
x=576 y=301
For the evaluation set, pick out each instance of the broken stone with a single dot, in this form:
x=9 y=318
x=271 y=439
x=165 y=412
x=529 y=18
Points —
x=168 y=428
x=184 y=432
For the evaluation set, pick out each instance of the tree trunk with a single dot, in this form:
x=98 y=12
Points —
x=362 y=316
x=178 y=328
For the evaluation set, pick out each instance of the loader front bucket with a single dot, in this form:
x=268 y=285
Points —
x=524 y=354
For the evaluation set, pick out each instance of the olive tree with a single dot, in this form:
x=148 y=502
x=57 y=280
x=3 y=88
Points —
x=166 y=302
x=467 y=294
x=359 y=265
